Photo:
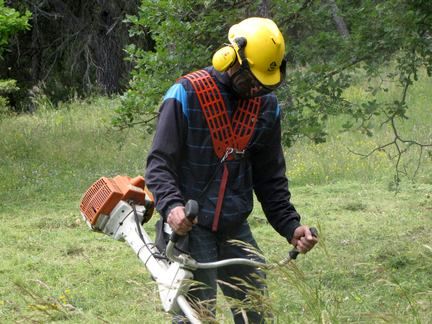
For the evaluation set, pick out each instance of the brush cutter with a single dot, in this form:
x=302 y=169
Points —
x=119 y=207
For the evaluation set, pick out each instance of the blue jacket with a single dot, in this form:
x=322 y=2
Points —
x=182 y=162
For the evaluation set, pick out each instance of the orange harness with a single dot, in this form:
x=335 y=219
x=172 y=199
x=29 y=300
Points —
x=230 y=138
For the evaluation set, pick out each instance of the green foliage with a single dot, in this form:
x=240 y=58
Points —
x=11 y=22
x=388 y=43
x=324 y=64
x=6 y=87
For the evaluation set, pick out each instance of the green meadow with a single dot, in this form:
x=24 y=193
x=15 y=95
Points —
x=373 y=263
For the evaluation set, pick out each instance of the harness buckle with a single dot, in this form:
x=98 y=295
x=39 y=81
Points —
x=233 y=152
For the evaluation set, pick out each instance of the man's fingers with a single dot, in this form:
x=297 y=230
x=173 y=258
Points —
x=309 y=236
x=178 y=221
x=186 y=226
x=305 y=244
x=303 y=239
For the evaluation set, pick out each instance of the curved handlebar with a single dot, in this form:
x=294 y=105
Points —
x=191 y=211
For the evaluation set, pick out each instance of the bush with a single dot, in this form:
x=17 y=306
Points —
x=11 y=22
x=6 y=87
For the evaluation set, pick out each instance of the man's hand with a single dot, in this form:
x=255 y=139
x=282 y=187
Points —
x=178 y=221
x=303 y=240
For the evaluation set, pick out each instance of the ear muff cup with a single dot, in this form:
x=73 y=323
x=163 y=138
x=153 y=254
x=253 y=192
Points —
x=224 y=58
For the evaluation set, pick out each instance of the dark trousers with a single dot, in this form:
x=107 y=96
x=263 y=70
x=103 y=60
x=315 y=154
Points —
x=239 y=283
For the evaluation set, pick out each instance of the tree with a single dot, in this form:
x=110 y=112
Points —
x=11 y=22
x=338 y=20
x=330 y=44
x=389 y=40
x=72 y=47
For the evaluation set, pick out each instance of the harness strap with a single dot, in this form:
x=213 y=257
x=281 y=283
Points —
x=214 y=110
x=221 y=194
x=229 y=139
x=245 y=118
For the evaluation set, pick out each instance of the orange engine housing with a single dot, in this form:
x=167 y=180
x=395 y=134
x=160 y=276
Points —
x=104 y=195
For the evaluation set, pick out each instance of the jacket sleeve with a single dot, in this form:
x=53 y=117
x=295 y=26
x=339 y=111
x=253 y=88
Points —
x=271 y=184
x=164 y=156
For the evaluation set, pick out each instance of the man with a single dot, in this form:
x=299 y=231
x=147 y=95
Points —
x=218 y=140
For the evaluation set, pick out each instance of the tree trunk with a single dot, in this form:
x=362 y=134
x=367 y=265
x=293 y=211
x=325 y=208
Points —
x=35 y=50
x=338 y=20
x=73 y=45
x=264 y=9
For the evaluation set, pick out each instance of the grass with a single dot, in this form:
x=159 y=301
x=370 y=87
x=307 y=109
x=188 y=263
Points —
x=373 y=264
x=376 y=251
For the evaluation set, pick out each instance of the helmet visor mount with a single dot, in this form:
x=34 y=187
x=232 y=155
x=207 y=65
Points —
x=243 y=81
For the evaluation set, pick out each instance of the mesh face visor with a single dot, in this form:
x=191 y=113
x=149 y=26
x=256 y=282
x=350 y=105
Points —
x=246 y=85
x=243 y=81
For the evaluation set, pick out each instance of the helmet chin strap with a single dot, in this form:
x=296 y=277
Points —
x=234 y=68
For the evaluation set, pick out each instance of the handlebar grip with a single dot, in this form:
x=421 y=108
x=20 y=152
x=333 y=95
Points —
x=191 y=212
x=314 y=231
x=294 y=252
x=191 y=209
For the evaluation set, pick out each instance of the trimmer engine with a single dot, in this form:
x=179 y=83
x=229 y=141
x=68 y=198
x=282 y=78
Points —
x=105 y=194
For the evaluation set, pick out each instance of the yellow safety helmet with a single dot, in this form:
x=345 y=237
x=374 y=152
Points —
x=260 y=42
